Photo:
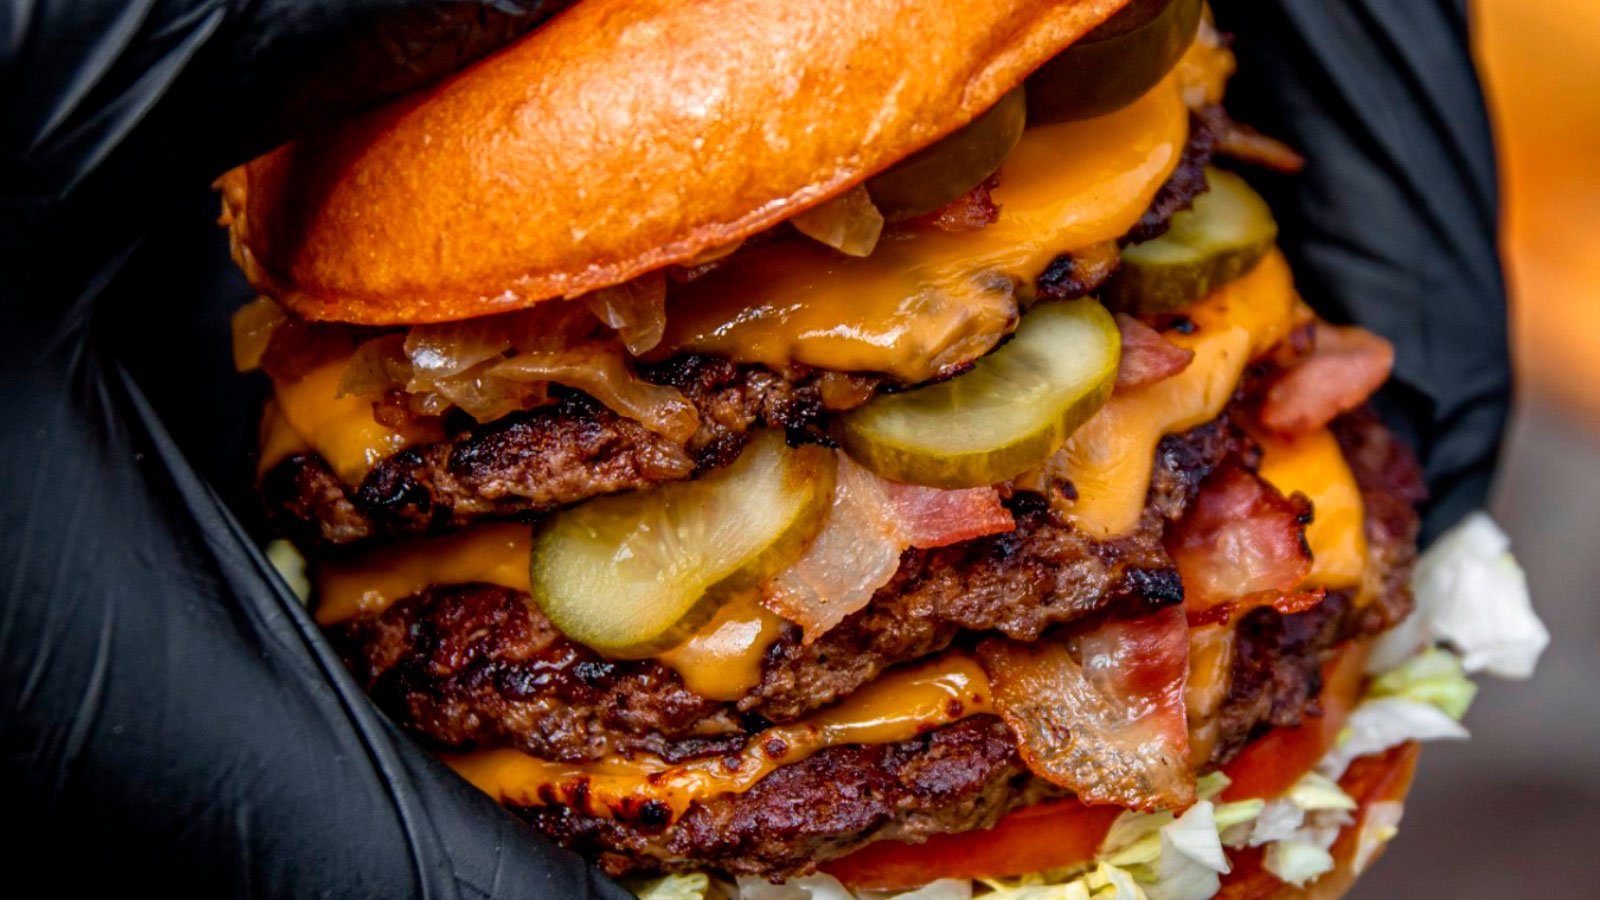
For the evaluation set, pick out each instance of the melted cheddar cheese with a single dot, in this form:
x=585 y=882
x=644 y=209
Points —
x=926 y=299
x=897 y=706
x=1108 y=460
x=721 y=661
x=1314 y=465
x=341 y=430
x=367 y=585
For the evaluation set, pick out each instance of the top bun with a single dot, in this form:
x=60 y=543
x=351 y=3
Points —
x=620 y=137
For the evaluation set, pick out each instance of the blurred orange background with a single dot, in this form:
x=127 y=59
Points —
x=1511 y=812
x=1541 y=62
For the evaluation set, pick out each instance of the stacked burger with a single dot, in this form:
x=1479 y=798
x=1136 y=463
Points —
x=753 y=439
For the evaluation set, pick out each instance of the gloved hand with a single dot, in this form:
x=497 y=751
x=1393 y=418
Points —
x=171 y=717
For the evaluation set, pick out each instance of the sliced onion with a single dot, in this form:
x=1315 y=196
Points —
x=253 y=326
x=849 y=223
x=601 y=372
x=485 y=395
x=636 y=310
x=450 y=348
x=377 y=367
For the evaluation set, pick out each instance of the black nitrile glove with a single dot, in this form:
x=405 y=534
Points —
x=170 y=718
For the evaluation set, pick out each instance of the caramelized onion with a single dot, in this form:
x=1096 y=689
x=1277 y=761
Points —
x=600 y=372
x=377 y=367
x=253 y=326
x=636 y=310
x=849 y=223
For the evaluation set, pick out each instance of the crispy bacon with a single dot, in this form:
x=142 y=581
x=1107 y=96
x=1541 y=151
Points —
x=872 y=521
x=1240 y=545
x=1345 y=367
x=1101 y=712
x=1147 y=356
x=972 y=211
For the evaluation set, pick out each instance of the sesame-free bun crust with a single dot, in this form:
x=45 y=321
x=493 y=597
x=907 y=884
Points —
x=620 y=137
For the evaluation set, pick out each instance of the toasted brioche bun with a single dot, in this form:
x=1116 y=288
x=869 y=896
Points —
x=1374 y=779
x=621 y=137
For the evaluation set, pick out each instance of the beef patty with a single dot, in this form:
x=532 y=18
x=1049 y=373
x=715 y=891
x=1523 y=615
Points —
x=480 y=664
x=966 y=775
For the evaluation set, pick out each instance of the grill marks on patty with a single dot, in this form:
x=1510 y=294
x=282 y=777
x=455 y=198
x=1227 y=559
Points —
x=535 y=461
x=480 y=664
x=963 y=776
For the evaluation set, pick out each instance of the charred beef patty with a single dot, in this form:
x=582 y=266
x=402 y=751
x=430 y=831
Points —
x=543 y=459
x=480 y=664
x=964 y=776
x=956 y=778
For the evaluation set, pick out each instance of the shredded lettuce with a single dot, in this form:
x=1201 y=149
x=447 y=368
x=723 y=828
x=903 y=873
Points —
x=673 y=887
x=1297 y=862
x=1376 y=725
x=291 y=566
x=1434 y=676
x=1379 y=824
x=1471 y=595
x=1315 y=791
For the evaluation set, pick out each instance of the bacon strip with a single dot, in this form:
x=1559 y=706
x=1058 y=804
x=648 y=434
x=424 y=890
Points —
x=1347 y=365
x=972 y=211
x=872 y=521
x=1147 y=356
x=1101 y=713
x=1240 y=545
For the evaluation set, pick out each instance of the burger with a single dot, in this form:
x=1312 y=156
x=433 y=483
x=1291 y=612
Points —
x=800 y=449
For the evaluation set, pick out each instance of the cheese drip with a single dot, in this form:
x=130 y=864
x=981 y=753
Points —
x=340 y=429
x=927 y=299
x=722 y=661
x=897 y=706
x=1108 y=460
x=1314 y=465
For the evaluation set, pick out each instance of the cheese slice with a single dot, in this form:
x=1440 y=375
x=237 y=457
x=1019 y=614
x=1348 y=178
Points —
x=341 y=430
x=897 y=706
x=1108 y=460
x=926 y=299
x=1313 y=465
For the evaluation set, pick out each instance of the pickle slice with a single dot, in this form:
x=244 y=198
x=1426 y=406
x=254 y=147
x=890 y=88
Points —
x=941 y=172
x=1113 y=65
x=1017 y=406
x=636 y=574
x=1221 y=237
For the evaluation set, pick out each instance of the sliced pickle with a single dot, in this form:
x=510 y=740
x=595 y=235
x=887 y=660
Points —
x=1220 y=238
x=937 y=174
x=1113 y=65
x=636 y=574
x=1017 y=406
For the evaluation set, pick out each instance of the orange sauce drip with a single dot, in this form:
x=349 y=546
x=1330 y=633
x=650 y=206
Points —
x=926 y=299
x=896 y=707
x=1108 y=459
x=723 y=660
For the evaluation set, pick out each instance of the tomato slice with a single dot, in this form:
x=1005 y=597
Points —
x=1271 y=764
x=1371 y=779
x=1032 y=839
x=1067 y=832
